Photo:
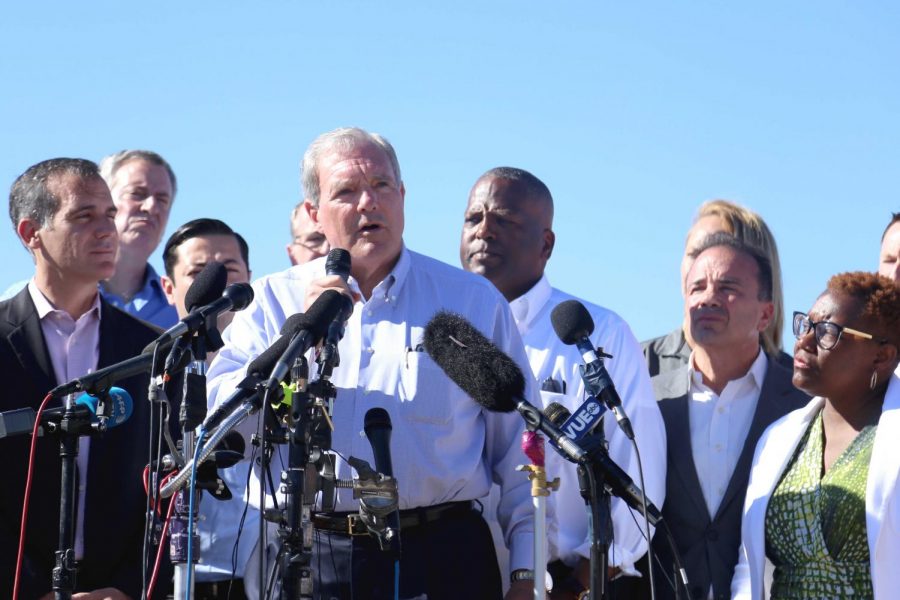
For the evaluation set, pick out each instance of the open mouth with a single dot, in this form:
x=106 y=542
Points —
x=371 y=227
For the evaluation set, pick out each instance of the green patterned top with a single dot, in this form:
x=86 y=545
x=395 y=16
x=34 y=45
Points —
x=816 y=525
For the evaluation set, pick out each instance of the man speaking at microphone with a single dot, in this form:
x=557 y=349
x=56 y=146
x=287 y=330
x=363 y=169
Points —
x=57 y=329
x=447 y=450
x=507 y=236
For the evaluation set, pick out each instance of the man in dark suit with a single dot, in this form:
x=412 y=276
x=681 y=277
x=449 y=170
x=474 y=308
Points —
x=715 y=409
x=56 y=329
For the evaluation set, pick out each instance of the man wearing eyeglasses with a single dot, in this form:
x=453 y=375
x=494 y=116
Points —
x=717 y=406
x=307 y=242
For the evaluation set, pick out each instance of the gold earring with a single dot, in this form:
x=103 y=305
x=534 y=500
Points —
x=874 y=381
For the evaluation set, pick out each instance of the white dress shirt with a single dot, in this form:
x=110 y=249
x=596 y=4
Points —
x=550 y=358
x=445 y=447
x=719 y=426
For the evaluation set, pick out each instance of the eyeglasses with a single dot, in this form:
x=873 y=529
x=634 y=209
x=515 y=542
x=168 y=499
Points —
x=828 y=334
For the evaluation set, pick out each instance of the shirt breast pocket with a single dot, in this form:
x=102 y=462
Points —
x=426 y=393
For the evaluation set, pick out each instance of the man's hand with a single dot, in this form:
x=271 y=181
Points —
x=520 y=590
x=330 y=282
x=104 y=594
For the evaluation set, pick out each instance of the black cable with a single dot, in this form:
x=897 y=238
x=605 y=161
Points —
x=149 y=512
x=646 y=531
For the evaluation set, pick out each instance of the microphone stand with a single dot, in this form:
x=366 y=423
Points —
x=71 y=428
x=184 y=539
x=590 y=482
x=183 y=526
x=533 y=446
x=295 y=527
x=308 y=436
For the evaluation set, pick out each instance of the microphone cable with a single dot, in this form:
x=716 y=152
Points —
x=192 y=492
x=28 y=479
x=153 y=491
x=165 y=531
x=646 y=532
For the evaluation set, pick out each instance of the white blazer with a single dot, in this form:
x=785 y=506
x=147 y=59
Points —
x=753 y=574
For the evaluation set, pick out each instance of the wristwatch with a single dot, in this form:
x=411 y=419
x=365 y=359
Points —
x=521 y=575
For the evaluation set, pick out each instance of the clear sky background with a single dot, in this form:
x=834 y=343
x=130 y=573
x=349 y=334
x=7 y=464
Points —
x=632 y=113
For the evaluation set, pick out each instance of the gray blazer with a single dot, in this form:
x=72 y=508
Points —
x=709 y=547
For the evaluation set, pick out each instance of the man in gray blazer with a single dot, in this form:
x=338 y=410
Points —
x=715 y=408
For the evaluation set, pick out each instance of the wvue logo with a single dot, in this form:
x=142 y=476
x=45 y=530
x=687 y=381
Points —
x=584 y=419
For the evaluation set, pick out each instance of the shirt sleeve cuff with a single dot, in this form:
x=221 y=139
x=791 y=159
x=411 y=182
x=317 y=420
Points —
x=521 y=552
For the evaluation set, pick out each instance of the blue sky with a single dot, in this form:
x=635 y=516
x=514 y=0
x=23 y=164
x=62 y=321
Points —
x=633 y=114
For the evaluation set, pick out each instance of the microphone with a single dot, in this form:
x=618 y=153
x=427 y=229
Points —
x=573 y=324
x=316 y=320
x=207 y=286
x=262 y=364
x=377 y=426
x=101 y=379
x=487 y=375
x=616 y=480
x=337 y=263
x=236 y=296
x=119 y=409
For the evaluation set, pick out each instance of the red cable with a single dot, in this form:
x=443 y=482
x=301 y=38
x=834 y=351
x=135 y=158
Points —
x=34 y=437
x=162 y=539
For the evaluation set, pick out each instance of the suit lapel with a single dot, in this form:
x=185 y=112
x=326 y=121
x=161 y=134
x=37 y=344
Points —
x=769 y=408
x=27 y=341
x=675 y=411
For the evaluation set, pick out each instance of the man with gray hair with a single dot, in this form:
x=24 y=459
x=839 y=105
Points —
x=143 y=187
x=55 y=330
x=307 y=242
x=448 y=450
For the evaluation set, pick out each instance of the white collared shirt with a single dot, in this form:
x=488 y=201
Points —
x=551 y=359
x=74 y=349
x=719 y=426
x=444 y=446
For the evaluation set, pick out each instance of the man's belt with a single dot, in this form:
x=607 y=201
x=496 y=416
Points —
x=350 y=523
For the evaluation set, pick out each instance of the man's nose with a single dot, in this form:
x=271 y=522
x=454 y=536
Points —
x=485 y=229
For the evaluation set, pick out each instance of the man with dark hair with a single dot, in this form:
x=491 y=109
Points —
x=508 y=238
x=715 y=409
x=889 y=261
x=221 y=568
x=55 y=330
x=448 y=449
x=143 y=187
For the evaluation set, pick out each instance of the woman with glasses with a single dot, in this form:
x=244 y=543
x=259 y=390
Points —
x=822 y=513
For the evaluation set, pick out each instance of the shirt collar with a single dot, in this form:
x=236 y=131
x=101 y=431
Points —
x=391 y=285
x=756 y=373
x=44 y=307
x=151 y=278
x=526 y=307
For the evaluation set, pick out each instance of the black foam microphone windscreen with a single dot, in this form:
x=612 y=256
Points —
x=473 y=362
x=338 y=263
x=207 y=286
x=571 y=321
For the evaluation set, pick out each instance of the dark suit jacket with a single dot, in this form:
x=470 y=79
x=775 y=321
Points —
x=709 y=547
x=115 y=501
x=671 y=351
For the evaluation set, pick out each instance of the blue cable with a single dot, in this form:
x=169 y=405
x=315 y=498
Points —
x=397 y=579
x=190 y=528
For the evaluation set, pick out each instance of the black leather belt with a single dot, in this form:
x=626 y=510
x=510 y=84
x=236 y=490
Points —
x=350 y=523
